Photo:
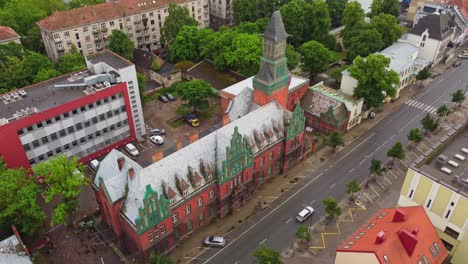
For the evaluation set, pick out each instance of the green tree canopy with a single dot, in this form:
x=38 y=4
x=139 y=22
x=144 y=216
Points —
x=332 y=208
x=252 y=10
x=179 y=16
x=364 y=42
x=71 y=62
x=187 y=44
x=375 y=81
x=423 y=74
x=391 y=7
x=266 y=255
x=120 y=43
x=16 y=73
x=293 y=57
x=81 y=3
x=442 y=110
x=35 y=62
x=65 y=180
x=415 y=135
x=458 y=97
x=303 y=233
x=11 y=49
x=428 y=123
x=195 y=94
x=46 y=74
x=316 y=58
x=387 y=26
x=376 y=168
x=397 y=151
x=352 y=187
x=244 y=53
x=337 y=73
x=18 y=202
x=336 y=9
x=334 y=140
x=353 y=14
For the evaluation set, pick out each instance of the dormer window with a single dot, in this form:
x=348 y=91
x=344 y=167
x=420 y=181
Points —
x=172 y=201
x=185 y=193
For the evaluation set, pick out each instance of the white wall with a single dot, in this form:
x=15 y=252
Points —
x=348 y=84
x=357 y=257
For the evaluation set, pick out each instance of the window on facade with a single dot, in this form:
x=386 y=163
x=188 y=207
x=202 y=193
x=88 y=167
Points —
x=66 y=115
x=150 y=237
x=35 y=143
x=90 y=106
x=261 y=161
x=188 y=209
x=79 y=126
x=32 y=161
x=58 y=150
x=211 y=194
x=82 y=140
x=436 y=246
x=163 y=229
x=26 y=147
x=50 y=154
x=66 y=147
x=172 y=201
x=175 y=218
x=87 y=124
x=94 y=120
x=271 y=155
x=75 y=143
x=62 y=133
x=231 y=184
x=74 y=112
x=20 y=132
x=71 y=130
x=200 y=201
x=53 y=136
x=156 y=232
x=433 y=251
x=109 y=114
x=57 y=118
x=39 y=125
x=102 y=117
x=66 y=34
x=45 y=140
x=30 y=128
x=40 y=157
x=449 y=231
x=90 y=136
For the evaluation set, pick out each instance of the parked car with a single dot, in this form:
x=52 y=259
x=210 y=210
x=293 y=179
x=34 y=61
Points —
x=158 y=140
x=214 y=241
x=463 y=56
x=457 y=63
x=169 y=96
x=94 y=165
x=192 y=120
x=157 y=132
x=163 y=98
x=132 y=150
x=304 y=214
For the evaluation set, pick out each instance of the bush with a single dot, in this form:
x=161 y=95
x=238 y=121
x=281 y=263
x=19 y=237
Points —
x=329 y=41
x=184 y=65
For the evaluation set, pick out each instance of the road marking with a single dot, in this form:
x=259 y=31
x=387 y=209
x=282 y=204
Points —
x=351 y=170
x=263 y=218
x=393 y=174
x=236 y=262
x=263 y=241
x=374 y=190
x=387 y=179
x=362 y=161
x=368 y=198
x=320 y=174
x=371 y=135
x=326 y=169
x=312 y=202
x=381 y=186
x=333 y=185
x=289 y=220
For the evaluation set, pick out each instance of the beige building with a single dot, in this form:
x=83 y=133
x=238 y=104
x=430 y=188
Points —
x=439 y=182
x=7 y=35
x=88 y=28
x=221 y=13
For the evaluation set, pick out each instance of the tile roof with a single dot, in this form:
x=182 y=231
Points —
x=100 y=12
x=439 y=26
x=406 y=233
x=144 y=59
x=7 y=33
x=237 y=88
x=275 y=30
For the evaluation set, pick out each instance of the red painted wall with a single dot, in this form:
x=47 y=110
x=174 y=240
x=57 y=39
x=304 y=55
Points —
x=225 y=99
x=296 y=95
x=281 y=97
x=323 y=127
x=10 y=145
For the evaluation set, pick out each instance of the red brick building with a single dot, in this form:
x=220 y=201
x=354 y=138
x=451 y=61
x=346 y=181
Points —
x=157 y=206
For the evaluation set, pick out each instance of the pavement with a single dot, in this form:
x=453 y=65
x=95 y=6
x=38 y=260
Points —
x=320 y=176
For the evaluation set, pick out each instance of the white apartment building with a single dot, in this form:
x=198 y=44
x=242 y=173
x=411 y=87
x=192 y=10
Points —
x=88 y=28
x=221 y=12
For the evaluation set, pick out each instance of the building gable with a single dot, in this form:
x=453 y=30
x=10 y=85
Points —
x=296 y=123
x=155 y=209
x=238 y=157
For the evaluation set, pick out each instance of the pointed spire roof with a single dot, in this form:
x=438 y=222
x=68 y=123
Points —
x=275 y=30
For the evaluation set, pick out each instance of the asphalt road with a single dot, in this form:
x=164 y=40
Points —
x=275 y=226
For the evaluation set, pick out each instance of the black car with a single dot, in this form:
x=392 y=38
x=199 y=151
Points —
x=457 y=63
x=157 y=132
x=163 y=98
x=169 y=96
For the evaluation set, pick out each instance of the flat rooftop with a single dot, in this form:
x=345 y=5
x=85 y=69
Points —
x=458 y=176
x=109 y=58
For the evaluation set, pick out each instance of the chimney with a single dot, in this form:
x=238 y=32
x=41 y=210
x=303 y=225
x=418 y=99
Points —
x=399 y=216
x=408 y=240
x=121 y=162
x=131 y=172
x=415 y=231
x=380 y=237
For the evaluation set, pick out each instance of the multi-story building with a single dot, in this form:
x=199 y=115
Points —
x=7 y=35
x=393 y=235
x=221 y=13
x=83 y=114
x=438 y=181
x=158 y=205
x=88 y=28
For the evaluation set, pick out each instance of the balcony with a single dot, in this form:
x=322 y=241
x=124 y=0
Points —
x=147 y=41
x=137 y=21
x=57 y=40
x=60 y=48
x=138 y=29
x=105 y=36
x=147 y=34
x=104 y=29
x=95 y=31
x=99 y=48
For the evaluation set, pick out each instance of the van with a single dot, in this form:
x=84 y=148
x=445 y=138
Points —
x=94 y=164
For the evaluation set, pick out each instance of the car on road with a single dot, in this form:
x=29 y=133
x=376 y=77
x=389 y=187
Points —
x=457 y=63
x=163 y=98
x=304 y=214
x=214 y=241
x=192 y=120
x=157 y=132
x=132 y=150
x=94 y=164
x=463 y=56
x=169 y=96
x=158 y=140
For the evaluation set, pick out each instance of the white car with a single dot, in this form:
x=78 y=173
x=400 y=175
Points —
x=132 y=150
x=214 y=241
x=304 y=214
x=158 y=140
x=463 y=56
x=94 y=165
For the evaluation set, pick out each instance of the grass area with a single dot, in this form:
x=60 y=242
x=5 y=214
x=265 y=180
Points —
x=177 y=123
x=339 y=55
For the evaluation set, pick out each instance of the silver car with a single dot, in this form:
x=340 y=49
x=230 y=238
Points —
x=132 y=150
x=304 y=214
x=214 y=241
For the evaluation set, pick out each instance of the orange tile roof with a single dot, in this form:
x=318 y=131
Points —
x=403 y=241
x=100 y=12
x=7 y=33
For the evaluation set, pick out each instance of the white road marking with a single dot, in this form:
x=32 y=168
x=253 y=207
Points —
x=333 y=185
x=263 y=241
x=312 y=202
x=351 y=170
x=387 y=179
x=374 y=190
x=368 y=198
x=362 y=161
x=263 y=218
x=289 y=220
x=371 y=135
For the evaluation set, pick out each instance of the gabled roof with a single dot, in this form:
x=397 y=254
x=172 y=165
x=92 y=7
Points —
x=275 y=30
x=7 y=33
x=439 y=26
x=401 y=234
x=401 y=55
x=326 y=103
x=145 y=59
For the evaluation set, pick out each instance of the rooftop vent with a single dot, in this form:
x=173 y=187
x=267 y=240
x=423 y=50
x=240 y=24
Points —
x=380 y=237
x=399 y=216
x=408 y=240
x=415 y=231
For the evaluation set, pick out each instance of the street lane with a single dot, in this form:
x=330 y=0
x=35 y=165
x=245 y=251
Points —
x=274 y=227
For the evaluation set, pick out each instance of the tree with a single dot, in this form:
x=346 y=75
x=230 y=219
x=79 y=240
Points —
x=179 y=16
x=387 y=26
x=332 y=208
x=81 y=3
x=266 y=255
x=244 y=53
x=18 y=202
x=376 y=168
x=364 y=42
x=428 y=123
x=442 y=110
x=337 y=74
x=35 y=62
x=186 y=45
x=120 y=43
x=316 y=58
x=423 y=74
x=11 y=49
x=65 y=179
x=390 y=7
x=336 y=9
x=293 y=57
x=352 y=187
x=141 y=79
x=353 y=14
x=245 y=10
x=46 y=74
x=159 y=259
x=303 y=233
x=71 y=62
x=375 y=81
x=458 y=97
x=415 y=135
x=334 y=140
x=195 y=94
x=16 y=73
x=397 y=151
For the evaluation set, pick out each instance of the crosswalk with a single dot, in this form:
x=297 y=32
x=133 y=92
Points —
x=422 y=106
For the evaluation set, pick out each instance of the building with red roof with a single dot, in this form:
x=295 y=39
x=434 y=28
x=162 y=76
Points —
x=7 y=35
x=394 y=235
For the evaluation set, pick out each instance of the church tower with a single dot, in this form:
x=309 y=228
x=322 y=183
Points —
x=272 y=81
